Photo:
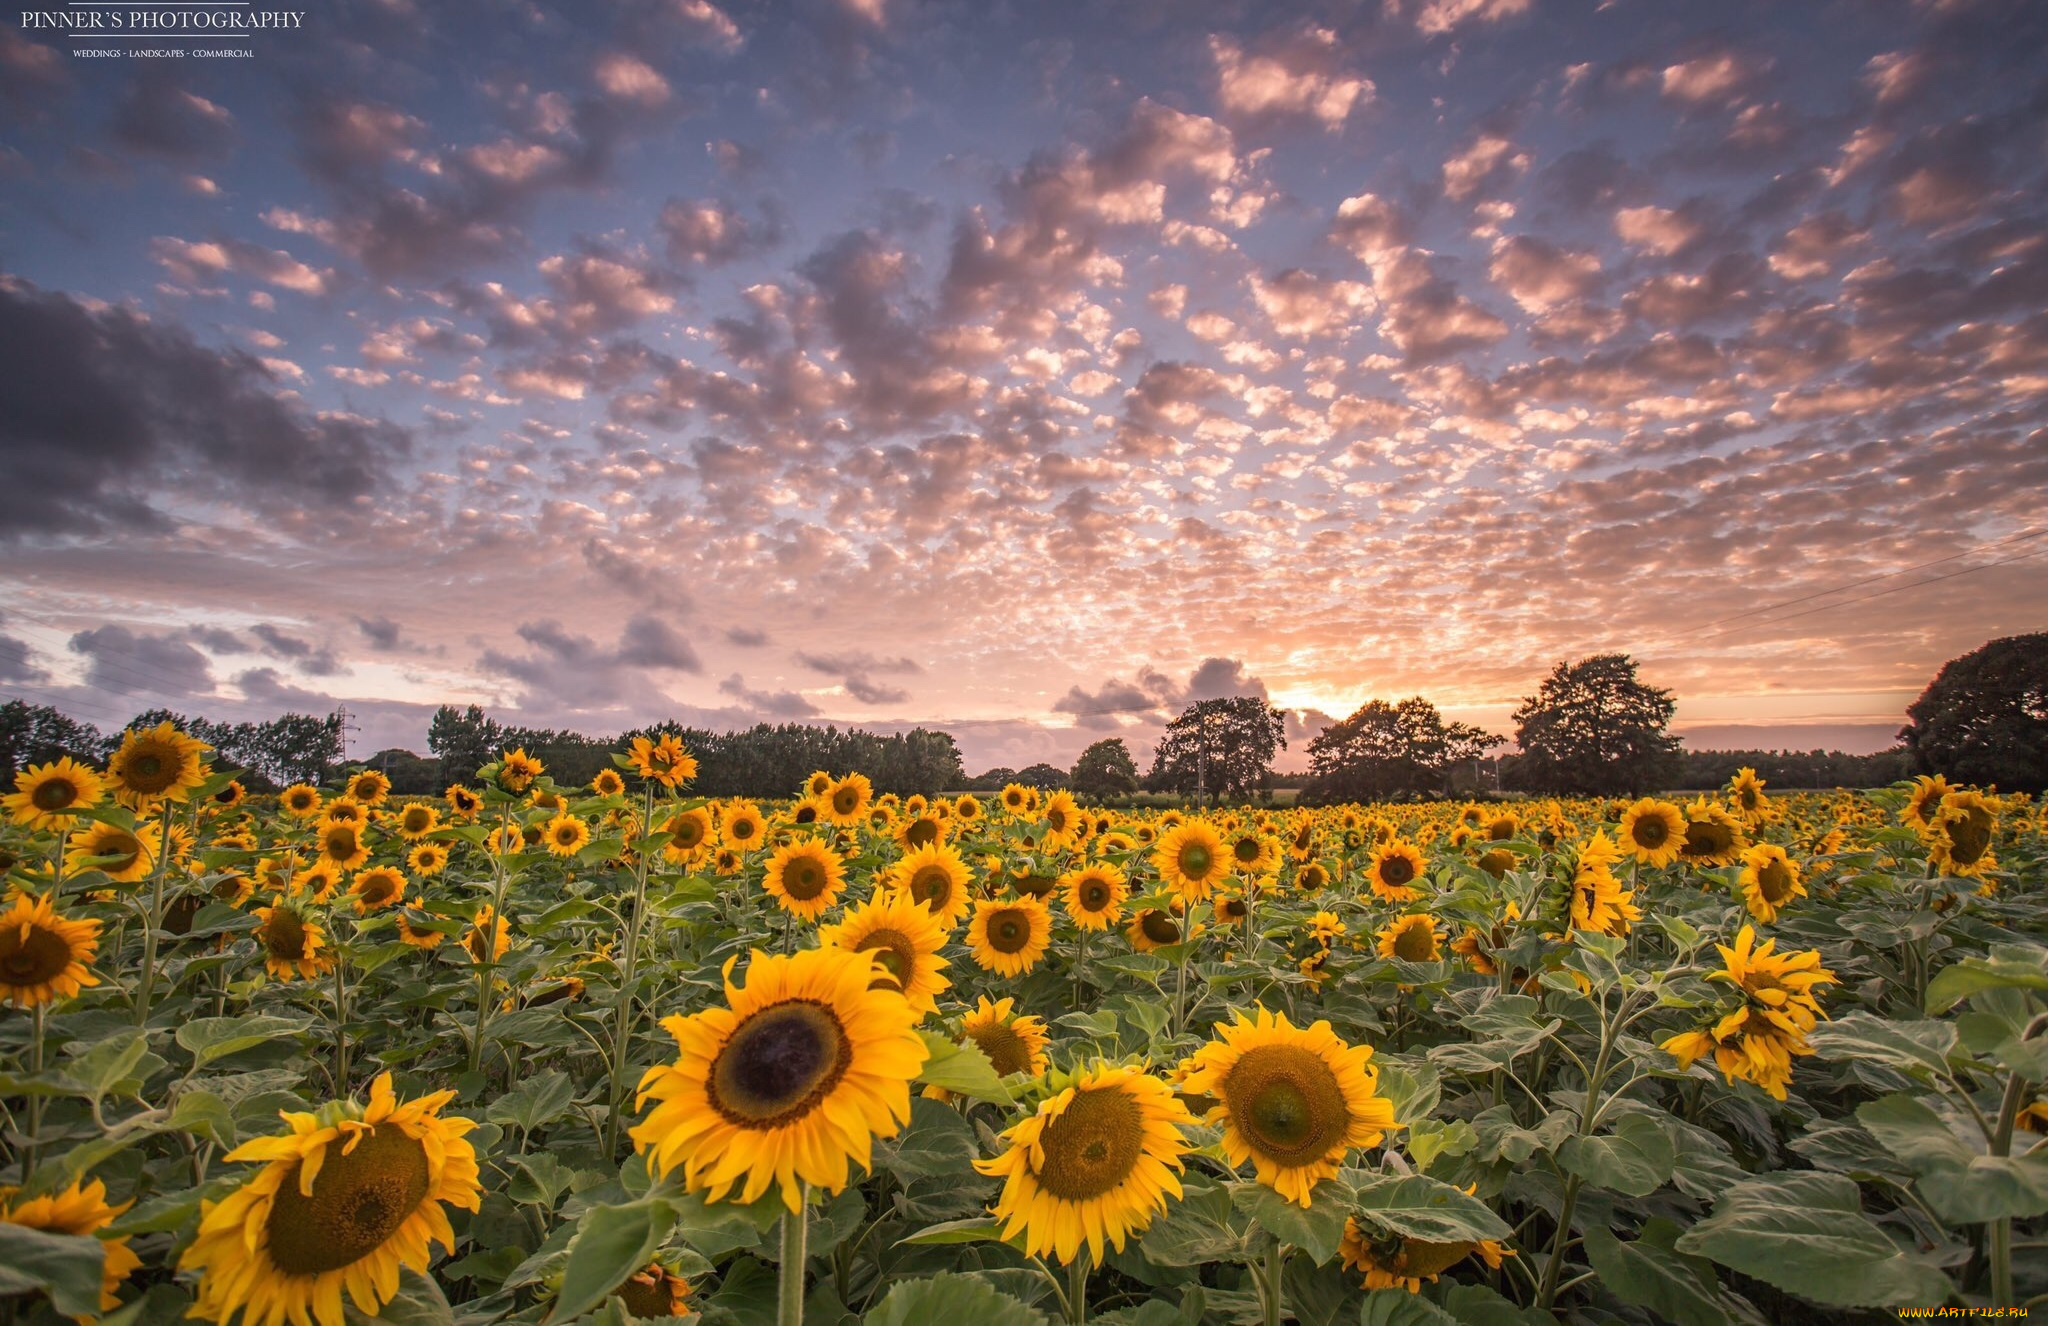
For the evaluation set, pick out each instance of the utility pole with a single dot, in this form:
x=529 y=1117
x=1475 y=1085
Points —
x=343 y=717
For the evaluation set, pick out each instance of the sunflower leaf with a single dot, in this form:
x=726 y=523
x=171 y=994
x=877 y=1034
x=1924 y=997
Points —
x=209 y=1039
x=951 y=1297
x=1425 y=1208
x=611 y=1243
x=1807 y=1234
x=1649 y=1274
x=1636 y=1159
x=1316 y=1229
x=64 y=1266
x=1962 y=1184
x=963 y=1070
x=938 y=1141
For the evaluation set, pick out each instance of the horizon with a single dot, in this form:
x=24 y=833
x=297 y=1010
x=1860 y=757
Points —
x=1025 y=374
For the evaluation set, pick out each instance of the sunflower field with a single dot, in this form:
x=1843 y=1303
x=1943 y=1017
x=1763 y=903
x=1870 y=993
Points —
x=533 y=1053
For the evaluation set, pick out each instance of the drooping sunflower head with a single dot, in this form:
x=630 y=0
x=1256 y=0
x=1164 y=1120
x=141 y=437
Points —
x=1293 y=1100
x=123 y=855
x=1191 y=859
x=78 y=1210
x=1094 y=1165
x=1712 y=836
x=1095 y=895
x=1152 y=929
x=1391 y=1260
x=1411 y=939
x=566 y=834
x=346 y=1198
x=1396 y=865
x=1013 y=1042
x=413 y=931
x=44 y=956
x=804 y=878
x=786 y=1085
x=938 y=877
x=661 y=759
x=376 y=888
x=1769 y=880
x=904 y=938
x=368 y=787
x=1960 y=833
x=48 y=796
x=489 y=938
x=1312 y=877
x=921 y=831
x=654 y=1292
x=1924 y=800
x=157 y=764
x=1009 y=935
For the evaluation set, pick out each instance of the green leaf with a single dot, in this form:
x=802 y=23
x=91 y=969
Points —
x=963 y=1070
x=937 y=1141
x=537 y=1101
x=1424 y=1208
x=1316 y=1295
x=64 y=1266
x=1413 y=1088
x=1919 y=1048
x=611 y=1243
x=1316 y=1229
x=2009 y=967
x=980 y=1229
x=1648 y=1273
x=204 y=1113
x=1636 y=1159
x=1478 y=1305
x=1192 y=1233
x=1398 y=1307
x=1807 y=1234
x=952 y=1298
x=418 y=1302
x=1426 y=1139
x=209 y=1039
x=717 y=1228
x=105 y=1067
x=1500 y=1137
x=1962 y=1184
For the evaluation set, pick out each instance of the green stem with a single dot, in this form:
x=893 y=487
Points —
x=489 y=939
x=1077 y=1288
x=1272 y=1283
x=629 y=972
x=340 y=1020
x=789 y=1298
x=1080 y=958
x=147 y=989
x=35 y=1102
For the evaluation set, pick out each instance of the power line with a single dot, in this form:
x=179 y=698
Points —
x=2022 y=537
x=1895 y=589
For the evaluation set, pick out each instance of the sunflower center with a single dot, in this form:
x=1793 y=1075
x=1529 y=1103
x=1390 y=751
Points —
x=41 y=955
x=1706 y=838
x=1396 y=870
x=54 y=794
x=1968 y=841
x=1092 y=1146
x=1650 y=832
x=1421 y=1259
x=1005 y=1049
x=378 y=890
x=897 y=955
x=1774 y=881
x=360 y=1198
x=803 y=878
x=284 y=936
x=1246 y=851
x=649 y=1296
x=743 y=829
x=417 y=820
x=845 y=801
x=1286 y=1103
x=1095 y=894
x=779 y=1063
x=933 y=887
x=1009 y=931
x=1159 y=928
x=148 y=771
x=1415 y=943
x=339 y=842
x=806 y=815
x=922 y=831
x=1195 y=860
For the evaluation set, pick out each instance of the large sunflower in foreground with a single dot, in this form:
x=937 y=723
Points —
x=787 y=1084
x=1395 y=1261
x=1395 y=867
x=46 y=796
x=157 y=764
x=804 y=878
x=903 y=938
x=1094 y=1165
x=43 y=957
x=1652 y=831
x=1191 y=859
x=78 y=1210
x=1292 y=1100
x=349 y=1197
x=1009 y=935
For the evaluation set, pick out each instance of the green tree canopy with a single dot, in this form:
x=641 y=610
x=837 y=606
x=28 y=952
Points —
x=1386 y=751
x=1594 y=729
x=1984 y=717
x=1219 y=748
x=1105 y=769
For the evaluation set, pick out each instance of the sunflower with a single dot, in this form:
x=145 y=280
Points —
x=792 y=1080
x=1009 y=935
x=817 y=785
x=1095 y=895
x=417 y=820
x=462 y=800
x=936 y=876
x=1095 y=1164
x=160 y=764
x=1598 y=900
x=566 y=835
x=654 y=1292
x=689 y=833
x=377 y=888
x=489 y=937
x=347 y=1198
x=1712 y=836
x=1152 y=929
x=804 y=878
x=967 y=807
x=419 y=936
x=46 y=796
x=320 y=879
x=742 y=828
x=78 y=1210
x=301 y=801
x=122 y=855
x=505 y=840
x=1292 y=1100
x=1500 y=826
x=1652 y=831
x=1924 y=801
x=1017 y=798
x=1959 y=839
x=920 y=831
x=1326 y=928
x=1746 y=790
x=662 y=760
x=1013 y=1042
x=517 y=770
x=1391 y=1260
x=1062 y=816
x=1312 y=877
x=1756 y=1043
x=43 y=957
x=229 y=796
x=607 y=783
x=1769 y=880
x=291 y=944
x=1253 y=853
x=1191 y=859
x=428 y=859
x=847 y=801
x=345 y=810
x=1411 y=939
x=341 y=844
x=1396 y=865
x=368 y=787
x=904 y=938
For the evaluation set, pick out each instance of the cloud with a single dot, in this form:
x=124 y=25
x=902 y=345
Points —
x=15 y=664
x=768 y=704
x=381 y=632
x=1295 y=76
x=713 y=231
x=125 y=662
x=161 y=118
x=562 y=670
x=746 y=637
x=1437 y=17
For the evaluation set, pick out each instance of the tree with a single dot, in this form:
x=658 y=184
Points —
x=1045 y=777
x=38 y=734
x=1220 y=748
x=1593 y=729
x=464 y=739
x=1105 y=769
x=1384 y=751
x=1984 y=717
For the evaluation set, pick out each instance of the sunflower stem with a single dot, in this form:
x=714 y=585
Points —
x=789 y=1298
x=340 y=1019
x=35 y=1102
x=1080 y=958
x=147 y=989
x=1271 y=1284
x=489 y=939
x=1077 y=1288
x=622 y=1026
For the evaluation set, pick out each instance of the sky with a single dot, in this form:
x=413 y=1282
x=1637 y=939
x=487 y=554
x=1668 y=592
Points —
x=1028 y=370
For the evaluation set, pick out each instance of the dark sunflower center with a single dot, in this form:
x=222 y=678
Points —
x=1246 y=851
x=378 y=890
x=1037 y=886
x=117 y=843
x=1286 y=1103
x=743 y=829
x=40 y=956
x=416 y=820
x=1095 y=894
x=1774 y=881
x=284 y=936
x=148 y=771
x=1313 y=878
x=301 y=801
x=567 y=834
x=806 y=814
x=339 y=842
x=803 y=878
x=1093 y=1145
x=364 y=788
x=921 y=831
x=1421 y=1260
x=1500 y=831
x=933 y=887
x=1396 y=871
x=896 y=954
x=779 y=1064
x=1706 y=838
x=54 y=794
x=359 y=1199
x=1006 y=1050
x=845 y=800
x=1159 y=928
x=1497 y=861
x=1968 y=841
x=1195 y=860
x=1650 y=831
x=1009 y=931
x=1415 y=943
x=649 y=1296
